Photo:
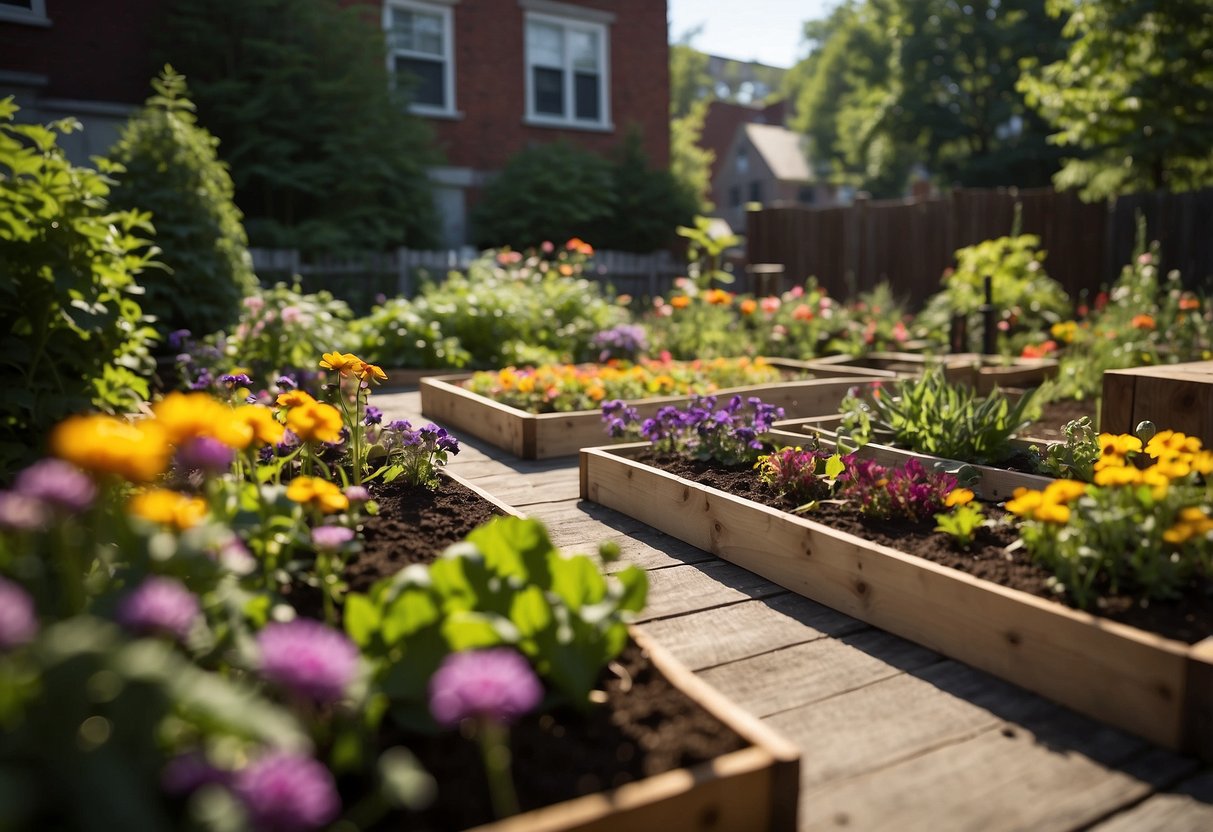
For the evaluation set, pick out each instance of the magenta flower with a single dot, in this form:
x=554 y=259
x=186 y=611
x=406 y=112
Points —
x=308 y=659
x=331 y=538
x=57 y=483
x=20 y=513
x=357 y=494
x=159 y=606
x=285 y=792
x=205 y=454
x=186 y=773
x=18 y=620
x=497 y=684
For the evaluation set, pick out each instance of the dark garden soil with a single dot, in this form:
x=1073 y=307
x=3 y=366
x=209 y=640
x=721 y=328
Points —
x=646 y=726
x=1057 y=415
x=1187 y=619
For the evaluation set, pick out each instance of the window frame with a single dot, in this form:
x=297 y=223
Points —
x=35 y=15
x=566 y=24
x=444 y=9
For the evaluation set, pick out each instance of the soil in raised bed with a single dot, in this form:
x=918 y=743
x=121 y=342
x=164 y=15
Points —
x=1056 y=415
x=645 y=727
x=1188 y=619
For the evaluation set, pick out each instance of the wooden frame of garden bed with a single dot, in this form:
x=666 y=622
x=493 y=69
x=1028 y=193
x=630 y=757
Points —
x=756 y=787
x=992 y=483
x=983 y=372
x=1155 y=687
x=547 y=435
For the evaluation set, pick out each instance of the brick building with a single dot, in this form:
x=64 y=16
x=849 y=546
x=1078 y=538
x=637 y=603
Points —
x=492 y=76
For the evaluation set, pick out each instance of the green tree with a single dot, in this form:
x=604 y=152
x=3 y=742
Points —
x=690 y=163
x=689 y=79
x=647 y=204
x=324 y=155
x=1132 y=97
x=169 y=166
x=73 y=331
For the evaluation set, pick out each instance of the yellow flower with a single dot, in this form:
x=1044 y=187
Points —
x=958 y=497
x=1118 y=444
x=315 y=421
x=135 y=451
x=262 y=425
x=1024 y=501
x=294 y=398
x=1052 y=513
x=370 y=372
x=1118 y=476
x=1063 y=491
x=168 y=508
x=185 y=416
x=343 y=363
x=323 y=494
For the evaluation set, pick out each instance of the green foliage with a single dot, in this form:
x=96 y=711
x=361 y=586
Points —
x=961 y=524
x=503 y=311
x=930 y=416
x=1026 y=300
x=324 y=155
x=1074 y=458
x=75 y=334
x=690 y=164
x=506 y=584
x=170 y=166
x=1130 y=96
x=690 y=83
x=705 y=250
x=648 y=203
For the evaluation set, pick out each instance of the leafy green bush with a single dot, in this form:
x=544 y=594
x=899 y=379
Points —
x=648 y=204
x=170 y=167
x=74 y=332
x=1026 y=300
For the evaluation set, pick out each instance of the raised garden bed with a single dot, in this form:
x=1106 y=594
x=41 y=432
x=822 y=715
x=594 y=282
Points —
x=983 y=372
x=1158 y=687
x=544 y=435
x=664 y=750
x=989 y=482
x=1177 y=396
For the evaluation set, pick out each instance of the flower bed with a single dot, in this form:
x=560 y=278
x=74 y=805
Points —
x=1161 y=685
x=983 y=372
x=544 y=435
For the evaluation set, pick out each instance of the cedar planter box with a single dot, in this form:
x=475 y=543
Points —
x=1155 y=687
x=992 y=484
x=754 y=788
x=547 y=435
x=983 y=372
x=1172 y=396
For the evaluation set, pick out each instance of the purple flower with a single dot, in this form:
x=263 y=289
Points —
x=308 y=659
x=159 y=605
x=57 y=483
x=357 y=494
x=496 y=684
x=400 y=425
x=236 y=380
x=331 y=538
x=203 y=380
x=234 y=556
x=18 y=621
x=206 y=454
x=186 y=773
x=373 y=415
x=285 y=792
x=286 y=382
x=20 y=513
x=177 y=338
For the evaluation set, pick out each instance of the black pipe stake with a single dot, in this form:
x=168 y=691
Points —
x=989 y=327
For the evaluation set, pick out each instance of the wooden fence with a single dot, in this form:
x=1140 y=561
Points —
x=909 y=243
x=364 y=280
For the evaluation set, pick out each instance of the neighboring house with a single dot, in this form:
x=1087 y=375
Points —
x=721 y=121
x=766 y=164
x=491 y=76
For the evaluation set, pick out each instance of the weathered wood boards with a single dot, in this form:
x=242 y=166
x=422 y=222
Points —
x=755 y=788
x=1155 y=687
x=1172 y=396
x=547 y=435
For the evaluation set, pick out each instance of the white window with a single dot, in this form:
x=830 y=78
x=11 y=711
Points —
x=567 y=72
x=421 y=54
x=24 y=11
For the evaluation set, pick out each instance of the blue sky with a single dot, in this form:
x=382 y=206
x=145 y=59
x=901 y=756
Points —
x=767 y=31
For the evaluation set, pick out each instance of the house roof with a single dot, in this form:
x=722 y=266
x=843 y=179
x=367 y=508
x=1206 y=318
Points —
x=782 y=150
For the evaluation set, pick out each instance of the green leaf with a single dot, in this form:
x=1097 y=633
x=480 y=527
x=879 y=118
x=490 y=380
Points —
x=412 y=611
x=362 y=619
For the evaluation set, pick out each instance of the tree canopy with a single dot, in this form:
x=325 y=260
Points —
x=1132 y=97
x=324 y=155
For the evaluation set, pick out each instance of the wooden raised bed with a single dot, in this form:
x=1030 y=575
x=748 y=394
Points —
x=991 y=483
x=1158 y=688
x=1172 y=396
x=547 y=435
x=983 y=372
x=755 y=788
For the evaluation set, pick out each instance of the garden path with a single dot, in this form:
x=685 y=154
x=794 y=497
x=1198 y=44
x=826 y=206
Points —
x=892 y=735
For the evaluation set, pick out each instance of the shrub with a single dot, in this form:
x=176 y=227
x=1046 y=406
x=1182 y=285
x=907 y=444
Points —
x=647 y=204
x=170 y=167
x=74 y=331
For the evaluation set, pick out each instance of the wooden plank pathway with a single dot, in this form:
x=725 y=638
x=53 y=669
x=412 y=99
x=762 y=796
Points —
x=893 y=736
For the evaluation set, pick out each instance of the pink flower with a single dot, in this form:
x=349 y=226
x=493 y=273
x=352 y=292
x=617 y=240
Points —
x=770 y=305
x=292 y=314
x=796 y=291
x=254 y=303
x=497 y=684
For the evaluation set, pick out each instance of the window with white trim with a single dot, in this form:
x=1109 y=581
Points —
x=567 y=77
x=420 y=42
x=24 y=11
